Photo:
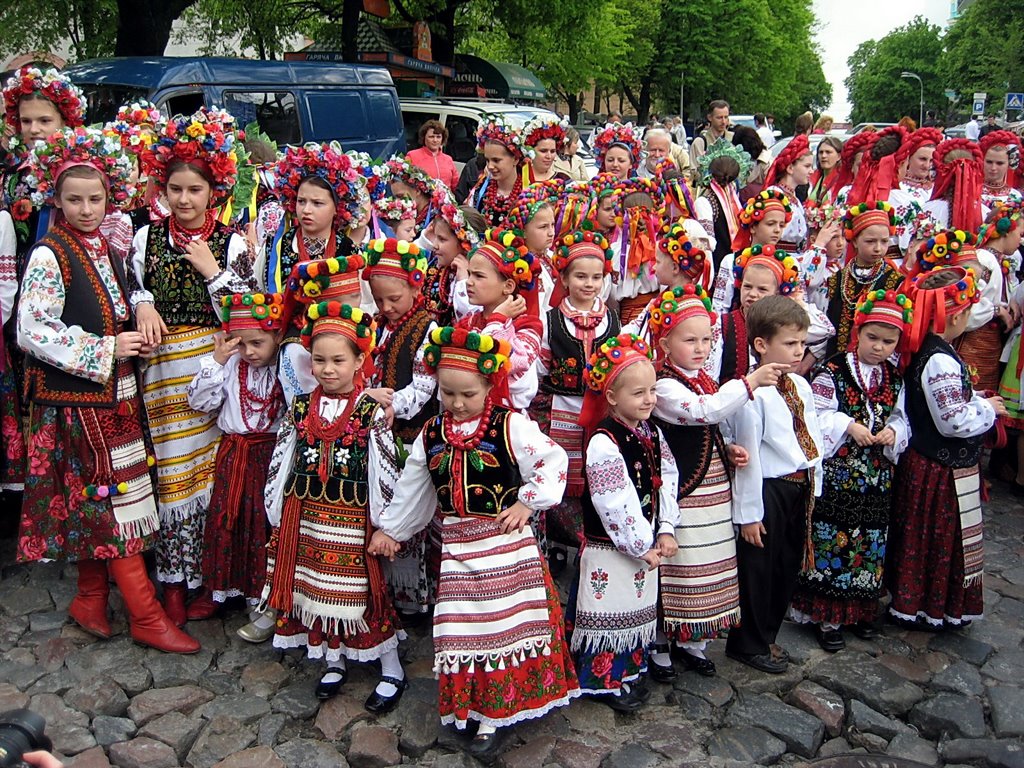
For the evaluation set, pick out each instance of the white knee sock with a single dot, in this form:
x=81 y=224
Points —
x=390 y=666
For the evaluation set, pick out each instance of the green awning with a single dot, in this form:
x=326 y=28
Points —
x=508 y=82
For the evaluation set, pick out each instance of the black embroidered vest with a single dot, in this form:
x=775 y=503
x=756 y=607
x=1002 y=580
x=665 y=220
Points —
x=490 y=484
x=179 y=291
x=691 y=446
x=735 y=347
x=87 y=304
x=642 y=466
x=395 y=364
x=437 y=290
x=723 y=240
x=840 y=312
x=957 y=452
x=348 y=462
x=565 y=373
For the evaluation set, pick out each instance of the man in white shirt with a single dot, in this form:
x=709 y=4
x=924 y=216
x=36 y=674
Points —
x=761 y=126
x=973 y=131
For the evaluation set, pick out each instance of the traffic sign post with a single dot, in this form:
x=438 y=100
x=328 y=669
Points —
x=1014 y=102
x=978 y=108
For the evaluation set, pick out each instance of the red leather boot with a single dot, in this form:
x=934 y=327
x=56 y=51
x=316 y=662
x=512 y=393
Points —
x=174 y=603
x=89 y=607
x=149 y=624
x=202 y=607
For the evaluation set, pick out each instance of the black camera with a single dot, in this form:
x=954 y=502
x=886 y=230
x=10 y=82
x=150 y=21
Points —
x=21 y=731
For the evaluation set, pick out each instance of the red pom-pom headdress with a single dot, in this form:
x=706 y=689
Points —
x=932 y=306
x=797 y=148
x=950 y=247
x=507 y=252
x=755 y=210
x=389 y=257
x=691 y=260
x=335 y=317
x=886 y=307
x=863 y=215
x=676 y=306
x=605 y=365
x=1002 y=139
x=583 y=243
x=71 y=147
x=783 y=266
x=54 y=86
x=1003 y=217
x=264 y=311
x=531 y=200
x=329 y=163
x=470 y=351
x=958 y=176
x=618 y=135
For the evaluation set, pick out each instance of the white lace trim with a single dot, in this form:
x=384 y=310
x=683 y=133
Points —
x=529 y=714
x=452 y=663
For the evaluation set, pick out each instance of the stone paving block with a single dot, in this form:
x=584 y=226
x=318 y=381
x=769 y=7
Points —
x=255 y=757
x=159 y=701
x=911 y=747
x=98 y=696
x=111 y=730
x=949 y=714
x=176 y=730
x=310 y=754
x=858 y=676
x=222 y=736
x=994 y=753
x=170 y=669
x=374 y=746
x=802 y=733
x=746 y=743
x=959 y=677
x=143 y=753
x=960 y=643
x=1007 y=703
x=821 y=703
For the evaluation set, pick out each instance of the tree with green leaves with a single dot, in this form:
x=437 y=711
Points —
x=87 y=26
x=877 y=92
x=985 y=49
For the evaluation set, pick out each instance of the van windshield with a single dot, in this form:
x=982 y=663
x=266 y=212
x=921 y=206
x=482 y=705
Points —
x=104 y=100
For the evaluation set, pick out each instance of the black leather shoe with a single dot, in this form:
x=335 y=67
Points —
x=379 y=704
x=658 y=672
x=830 y=640
x=326 y=691
x=705 y=667
x=865 y=630
x=485 y=747
x=779 y=653
x=624 y=702
x=763 y=662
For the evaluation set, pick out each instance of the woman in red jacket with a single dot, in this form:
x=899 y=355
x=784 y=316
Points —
x=430 y=154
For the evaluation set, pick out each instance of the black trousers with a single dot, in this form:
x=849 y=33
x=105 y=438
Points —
x=768 y=575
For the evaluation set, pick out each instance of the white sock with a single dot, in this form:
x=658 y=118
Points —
x=390 y=666
x=333 y=677
x=828 y=627
x=694 y=649
x=485 y=730
x=661 y=659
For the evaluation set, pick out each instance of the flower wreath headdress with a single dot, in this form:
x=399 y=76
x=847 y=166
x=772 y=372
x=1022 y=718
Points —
x=55 y=86
x=329 y=163
x=79 y=146
x=618 y=134
x=498 y=129
x=447 y=208
x=541 y=127
x=137 y=125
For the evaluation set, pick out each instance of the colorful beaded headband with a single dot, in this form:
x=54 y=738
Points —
x=264 y=311
x=326 y=279
x=335 y=317
x=531 y=200
x=648 y=187
x=464 y=350
x=509 y=255
x=933 y=305
x=583 y=243
x=540 y=128
x=499 y=130
x=946 y=248
x=783 y=266
x=206 y=138
x=330 y=164
x=617 y=135
x=612 y=357
x=888 y=307
x=691 y=260
x=389 y=257
x=71 y=147
x=56 y=87
x=676 y=306
x=764 y=201
x=864 y=215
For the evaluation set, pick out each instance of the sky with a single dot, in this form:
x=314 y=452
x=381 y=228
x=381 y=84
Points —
x=843 y=25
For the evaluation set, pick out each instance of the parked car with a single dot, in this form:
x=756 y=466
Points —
x=293 y=101
x=814 y=140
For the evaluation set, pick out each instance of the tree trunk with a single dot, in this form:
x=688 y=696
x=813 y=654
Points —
x=573 y=101
x=597 y=98
x=350 y=30
x=144 y=27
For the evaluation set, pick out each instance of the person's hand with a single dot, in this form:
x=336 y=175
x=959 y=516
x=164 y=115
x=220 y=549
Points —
x=383 y=395
x=199 y=255
x=652 y=558
x=886 y=437
x=389 y=416
x=512 y=307
x=224 y=347
x=149 y=323
x=461 y=266
x=667 y=544
x=250 y=234
x=766 y=375
x=383 y=545
x=752 y=533
x=514 y=518
x=737 y=455
x=128 y=343
x=146 y=351
x=41 y=759
x=998 y=404
x=861 y=435
x=1006 y=318
x=826 y=233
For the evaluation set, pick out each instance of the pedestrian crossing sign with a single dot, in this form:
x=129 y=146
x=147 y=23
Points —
x=1014 y=101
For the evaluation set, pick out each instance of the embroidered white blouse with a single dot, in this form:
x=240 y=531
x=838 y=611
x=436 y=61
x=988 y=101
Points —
x=8 y=266
x=954 y=416
x=678 y=404
x=216 y=388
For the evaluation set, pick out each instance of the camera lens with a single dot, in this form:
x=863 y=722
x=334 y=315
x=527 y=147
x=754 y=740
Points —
x=21 y=731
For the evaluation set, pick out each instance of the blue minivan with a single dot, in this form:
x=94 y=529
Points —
x=293 y=101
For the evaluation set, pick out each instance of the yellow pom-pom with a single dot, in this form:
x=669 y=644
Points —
x=402 y=247
x=258 y=298
x=150 y=461
x=122 y=487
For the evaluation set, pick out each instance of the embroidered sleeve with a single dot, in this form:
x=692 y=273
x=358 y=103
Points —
x=383 y=464
x=615 y=498
x=991 y=290
x=42 y=333
x=8 y=266
x=238 y=276
x=901 y=426
x=118 y=230
x=460 y=300
x=295 y=371
x=137 y=270
x=523 y=389
x=953 y=414
x=713 y=365
x=724 y=287
x=820 y=331
x=747 y=427
x=706 y=216
x=281 y=462
x=833 y=421
x=812 y=267
x=543 y=464
x=409 y=400
x=207 y=390
x=677 y=404
x=414 y=500
x=668 y=515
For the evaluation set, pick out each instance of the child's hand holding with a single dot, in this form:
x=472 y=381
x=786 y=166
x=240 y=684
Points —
x=199 y=255
x=826 y=233
x=224 y=347
x=667 y=544
x=128 y=344
x=383 y=395
x=766 y=375
x=752 y=533
x=998 y=404
x=383 y=545
x=514 y=518
x=652 y=558
x=149 y=323
x=737 y=455
x=886 y=437
x=861 y=435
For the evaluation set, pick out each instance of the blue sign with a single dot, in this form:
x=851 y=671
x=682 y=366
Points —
x=978 y=108
x=1014 y=101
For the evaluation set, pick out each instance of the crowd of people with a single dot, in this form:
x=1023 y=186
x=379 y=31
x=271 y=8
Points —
x=321 y=388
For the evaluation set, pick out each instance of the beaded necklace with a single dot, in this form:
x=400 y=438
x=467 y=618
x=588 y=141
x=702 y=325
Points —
x=263 y=407
x=182 y=236
x=850 y=276
x=394 y=327
x=464 y=447
x=497 y=206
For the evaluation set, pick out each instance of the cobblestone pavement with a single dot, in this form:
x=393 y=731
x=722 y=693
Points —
x=954 y=698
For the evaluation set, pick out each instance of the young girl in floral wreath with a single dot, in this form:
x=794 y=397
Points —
x=180 y=269
x=545 y=137
x=484 y=471
x=239 y=383
x=89 y=491
x=136 y=126
x=934 y=554
x=629 y=520
x=498 y=189
x=699 y=595
x=617 y=150
x=863 y=433
x=398 y=217
x=452 y=234
x=333 y=467
x=409 y=181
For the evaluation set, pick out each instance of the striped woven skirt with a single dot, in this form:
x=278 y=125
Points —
x=981 y=350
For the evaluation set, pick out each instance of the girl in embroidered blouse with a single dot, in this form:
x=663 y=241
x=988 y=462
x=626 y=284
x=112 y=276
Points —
x=332 y=469
x=485 y=471
x=239 y=383
x=452 y=234
x=499 y=187
x=180 y=269
x=629 y=519
x=89 y=492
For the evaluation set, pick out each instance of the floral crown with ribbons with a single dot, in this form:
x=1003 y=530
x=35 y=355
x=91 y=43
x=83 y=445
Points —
x=390 y=257
x=764 y=201
x=676 y=306
x=507 y=251
x=373 y=173
x=932 y=306
x=572 y=207
x=540 y=127
x=944 y=249
x=612 y=357
x=398 y=168
x=447 y=209
x=53 y=85
x=583 y=243
x=1002 y=218
x=395 y=208
x=691 y=260
x=601 y=186
x=73 y=147
x=648 y=187
x=464 y=350
x=326 y=279
x=330 y=164
x=137 y=125
x=335 y=317
x=863 y=215
x=785 y=267
x=531 y=200
x=620 y=135
x=500 y=130
x=820 y=215
x=206 y=138
x=264 y=311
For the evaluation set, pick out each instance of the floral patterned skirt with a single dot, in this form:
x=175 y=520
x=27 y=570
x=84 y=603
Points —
x=12 y=458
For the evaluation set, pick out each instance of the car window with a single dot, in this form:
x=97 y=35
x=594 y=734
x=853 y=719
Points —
x=274 y=110
x=184 y=103
x=461 y=137
x=103 y=101
x=412 y=122
x=380 y=104
x=338 y=115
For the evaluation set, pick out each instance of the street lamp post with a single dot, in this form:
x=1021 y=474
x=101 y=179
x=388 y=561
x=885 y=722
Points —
x=920 y=114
